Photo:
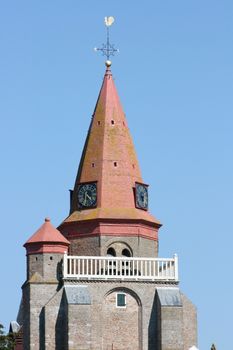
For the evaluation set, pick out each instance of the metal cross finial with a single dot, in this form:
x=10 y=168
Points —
x=107 y=49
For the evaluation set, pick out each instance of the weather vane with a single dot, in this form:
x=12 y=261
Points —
x=107 y=49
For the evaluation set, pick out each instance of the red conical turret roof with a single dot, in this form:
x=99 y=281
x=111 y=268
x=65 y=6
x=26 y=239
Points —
x=47 y=239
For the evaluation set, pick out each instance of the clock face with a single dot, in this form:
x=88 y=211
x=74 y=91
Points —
x=87 y=195
x=141 y=196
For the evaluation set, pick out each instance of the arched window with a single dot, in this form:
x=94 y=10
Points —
x=126 y=252
x=111 y=252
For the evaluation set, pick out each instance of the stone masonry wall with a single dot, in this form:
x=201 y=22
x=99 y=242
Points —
x=57 y=323
x=55 y=320
x=172 y=328
x=189 y=323
x=47 y=265
x=36 y=295
x=120 y=323
x=98 y=245
x=79 y=327
x=85 y=246
x=129 y=328
x=140 y=247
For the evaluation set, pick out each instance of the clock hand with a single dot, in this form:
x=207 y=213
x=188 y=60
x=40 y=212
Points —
x=85 y=198
x=88 y=196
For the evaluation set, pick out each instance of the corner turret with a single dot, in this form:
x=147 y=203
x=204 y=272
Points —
x=45 y=250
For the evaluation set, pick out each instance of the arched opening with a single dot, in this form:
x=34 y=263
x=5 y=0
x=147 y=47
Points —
x=126 y=252
x=111 y=268
x=111 y=252
x=122 y=311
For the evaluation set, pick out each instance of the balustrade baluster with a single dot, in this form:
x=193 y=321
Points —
x=91 y=266
x=74 y=263
x=117 y=269
x=176 y=276
x=65 y=265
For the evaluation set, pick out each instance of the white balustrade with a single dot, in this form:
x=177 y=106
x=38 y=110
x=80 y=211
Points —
x=122 y=268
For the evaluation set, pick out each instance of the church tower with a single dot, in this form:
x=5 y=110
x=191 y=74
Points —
x=97 y=282
x=109 y=204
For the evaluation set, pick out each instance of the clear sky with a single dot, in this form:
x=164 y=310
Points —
x=174 y=75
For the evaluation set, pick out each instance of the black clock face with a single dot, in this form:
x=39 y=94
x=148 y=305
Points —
x=141 y=196
x=87 y=195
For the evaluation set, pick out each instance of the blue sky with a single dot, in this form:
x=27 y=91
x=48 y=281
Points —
x=174 y=75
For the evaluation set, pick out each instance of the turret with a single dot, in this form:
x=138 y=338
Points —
x=45 y=250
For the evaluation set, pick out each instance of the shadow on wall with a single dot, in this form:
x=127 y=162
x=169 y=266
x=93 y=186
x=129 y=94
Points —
x=61 y=327
x=153 y=329
x=59 y=273
x=42 y=329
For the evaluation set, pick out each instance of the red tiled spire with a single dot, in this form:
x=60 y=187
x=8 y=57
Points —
x=47 y=239
x=110 y=159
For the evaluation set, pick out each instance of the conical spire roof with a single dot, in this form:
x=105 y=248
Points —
x=109 y=158
x=46 y=239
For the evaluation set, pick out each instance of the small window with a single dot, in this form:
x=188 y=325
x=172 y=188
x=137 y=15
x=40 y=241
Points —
x=93 y=165
x=112 y=122
x=121 y=300
x=115 y=164
x=51 y=258
x=98 y=122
